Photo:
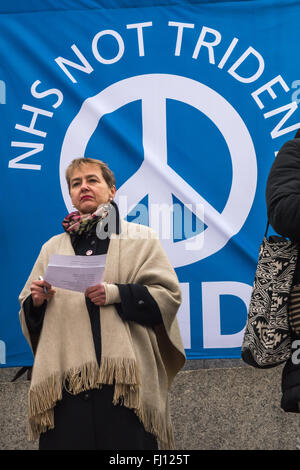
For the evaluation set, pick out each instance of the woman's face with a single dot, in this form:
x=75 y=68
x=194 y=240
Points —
x=88 y=188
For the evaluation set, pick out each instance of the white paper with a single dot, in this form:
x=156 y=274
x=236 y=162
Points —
x=75 y=272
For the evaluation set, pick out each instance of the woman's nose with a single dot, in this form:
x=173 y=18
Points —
x=84 y=186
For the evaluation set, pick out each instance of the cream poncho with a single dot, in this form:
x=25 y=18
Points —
x=142 y=362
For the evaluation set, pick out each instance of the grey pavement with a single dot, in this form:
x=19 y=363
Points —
x=215 y=405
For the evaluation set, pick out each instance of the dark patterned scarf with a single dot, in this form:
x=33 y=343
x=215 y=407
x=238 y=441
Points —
x=79 y=224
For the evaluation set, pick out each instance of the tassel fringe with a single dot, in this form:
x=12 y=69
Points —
x=120 y=372
x=43 y=397
x=157 y=424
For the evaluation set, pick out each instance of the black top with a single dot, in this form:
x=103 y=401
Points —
x=283 y=194
x=137 y=304
x=283 y=204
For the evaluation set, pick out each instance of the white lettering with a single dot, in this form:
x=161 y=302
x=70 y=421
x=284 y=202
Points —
x=253 y=77
x=211 y=292
x=140 y=213
x=228 y=53
x=180 y=27
x=196 y=242
x=30 y=129
x=166 y=212
x=268 y=87
x=121 y=460
x=184 y=316
x=140 y=27
x=42 y=94
x=36 y=148
x=86 y=67
x=290 y=108
x=209 y=45
x=119 y=41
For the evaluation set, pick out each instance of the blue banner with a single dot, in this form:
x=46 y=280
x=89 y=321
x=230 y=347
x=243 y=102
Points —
x=187 y=102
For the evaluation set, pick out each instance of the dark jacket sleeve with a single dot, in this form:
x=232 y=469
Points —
x=283 y=205
x=34 y=316
x=138 y=305
x=283 y=191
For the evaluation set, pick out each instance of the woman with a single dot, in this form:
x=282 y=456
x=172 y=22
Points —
x=104 y=361
x=283 y=203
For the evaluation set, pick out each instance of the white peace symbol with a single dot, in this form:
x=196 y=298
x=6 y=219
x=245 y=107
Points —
x=154 y=177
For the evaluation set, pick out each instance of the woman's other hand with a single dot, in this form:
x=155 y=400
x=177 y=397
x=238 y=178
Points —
x=96 y=294
x=38 y=294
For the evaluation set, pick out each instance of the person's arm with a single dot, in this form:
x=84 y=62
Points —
x=34 y=316
x=33 y=291
x=283 y=191
x=133 y=302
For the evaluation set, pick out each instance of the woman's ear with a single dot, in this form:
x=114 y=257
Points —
x=113 y=191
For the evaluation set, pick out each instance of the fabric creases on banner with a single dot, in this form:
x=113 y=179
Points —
x=187 y=102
